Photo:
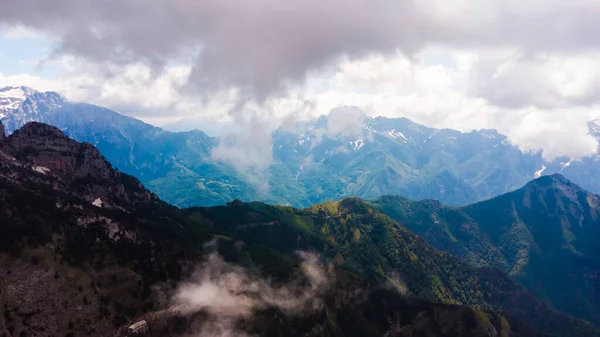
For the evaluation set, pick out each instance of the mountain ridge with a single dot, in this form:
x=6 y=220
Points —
x=71 y=257
x=342 y=154
x=542 y=234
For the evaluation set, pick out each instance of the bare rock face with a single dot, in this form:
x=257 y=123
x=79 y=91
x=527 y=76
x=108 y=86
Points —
x=47 y=146
x=47 y=150
x=1 y=132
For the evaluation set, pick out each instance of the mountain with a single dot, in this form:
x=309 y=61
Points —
x=343 y=154
x=396 y=156
x=75 y=237
x=176 y=165
x=87 y=250
x=544 y=234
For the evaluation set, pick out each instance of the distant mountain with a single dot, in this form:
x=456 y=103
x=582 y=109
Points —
x=178 y=166
x=544 y=234
x=87 y=250
x=343 y=154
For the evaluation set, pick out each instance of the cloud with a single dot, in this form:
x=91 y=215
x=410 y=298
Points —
x=228 y=294
x=248 y=148
x=546 y=81
x=257 y=46
x=262 y=45
x=346 y=122
x=462 y=64
x=131 y=89
x=556 y=134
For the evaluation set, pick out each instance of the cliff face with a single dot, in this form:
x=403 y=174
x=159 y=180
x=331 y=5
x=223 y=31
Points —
x=77 y=166
x=1 y=131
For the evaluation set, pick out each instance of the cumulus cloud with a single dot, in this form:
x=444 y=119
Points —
x=556 y=134
x=545 y=81
x=228 y=294
x=261 y=45
x=131 y=89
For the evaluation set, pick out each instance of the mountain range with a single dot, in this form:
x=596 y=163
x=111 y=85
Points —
x=544 y=234
x=88 y=250
x=314 y=161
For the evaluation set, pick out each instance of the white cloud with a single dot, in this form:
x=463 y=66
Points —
x=523 y=67
x=21 y=32
x=556 y=133
x=229 y=295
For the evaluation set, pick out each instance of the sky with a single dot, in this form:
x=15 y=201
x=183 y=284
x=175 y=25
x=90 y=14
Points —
x=530 y=69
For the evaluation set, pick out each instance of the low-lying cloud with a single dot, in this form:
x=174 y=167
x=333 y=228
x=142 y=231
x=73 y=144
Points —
x=248 y=149
x=230 y=295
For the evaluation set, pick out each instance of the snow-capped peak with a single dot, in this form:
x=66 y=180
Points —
x=12 y=97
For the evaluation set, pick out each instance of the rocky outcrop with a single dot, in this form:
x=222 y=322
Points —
x=79 y=166
x=47 y=146
x=1 y=131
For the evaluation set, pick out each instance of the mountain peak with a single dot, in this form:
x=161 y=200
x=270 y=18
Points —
x=79 y=166
x=41 y=129
x=559 y=177
x=17 y=91
x=12 y=97
x=550 y=180
x=557 y=186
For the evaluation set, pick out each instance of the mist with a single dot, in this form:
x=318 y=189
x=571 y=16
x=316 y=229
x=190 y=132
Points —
x=228 y=294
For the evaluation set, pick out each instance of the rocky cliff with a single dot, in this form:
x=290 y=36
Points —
x=77 y=166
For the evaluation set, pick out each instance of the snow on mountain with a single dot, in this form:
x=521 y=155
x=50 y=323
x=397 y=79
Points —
x=12 y=98
x=20 y=105
x=396 y=134
x=357 y=144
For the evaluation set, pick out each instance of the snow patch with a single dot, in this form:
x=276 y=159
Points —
x=539 y=172
x=13 y=92
x=396 y=134
x=12 y=97
x=357 y=144
x=431 y=136
x=41 y=169
x=97 y=202
x=303 y=138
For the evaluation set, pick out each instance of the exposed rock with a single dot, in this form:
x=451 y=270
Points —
x=1 y=131
x=47 y=150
